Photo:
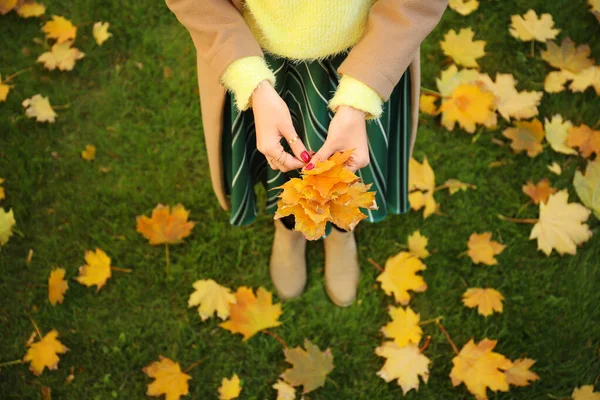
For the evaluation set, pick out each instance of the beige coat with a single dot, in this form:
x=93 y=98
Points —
x=390 y=44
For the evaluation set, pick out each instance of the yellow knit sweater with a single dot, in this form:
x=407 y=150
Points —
x=303 y=30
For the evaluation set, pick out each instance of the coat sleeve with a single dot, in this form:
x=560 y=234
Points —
x=218 y=30
x=394 y=31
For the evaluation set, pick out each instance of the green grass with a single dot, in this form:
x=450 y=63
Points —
x=148 y=132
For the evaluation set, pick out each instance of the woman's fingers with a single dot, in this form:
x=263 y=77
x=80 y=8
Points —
x=289 y=133
x=280 y=159
x=323 y=154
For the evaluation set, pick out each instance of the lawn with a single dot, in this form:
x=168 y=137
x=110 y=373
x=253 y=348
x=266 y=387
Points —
x=148 y=132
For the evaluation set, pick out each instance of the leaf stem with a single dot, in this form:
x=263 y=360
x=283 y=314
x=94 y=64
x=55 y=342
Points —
x=519 y=221
x=36 y=327
x=533 y=48
x=8 y=78
x=121 y=269
x=61 y=107
x=333 y=382
x=168 y=258
x=431 y=321
x=280 y=340
x=427 y=341
x=445 y=332
x=431 y=92
x=7 y=363
x=194 y=365
x=376 y=265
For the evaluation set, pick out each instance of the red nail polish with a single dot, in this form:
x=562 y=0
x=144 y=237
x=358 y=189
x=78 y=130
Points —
x=309 y=167
x=305 y=156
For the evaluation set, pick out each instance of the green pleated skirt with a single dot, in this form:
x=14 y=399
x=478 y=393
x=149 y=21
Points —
x=306 y=88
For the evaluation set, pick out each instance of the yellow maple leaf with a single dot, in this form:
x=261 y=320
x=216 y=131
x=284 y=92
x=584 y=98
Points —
x=469 y=105
x=555 y=81
x=60 y=29
x=487 y=301
x=567 y=56
x=57 y=286
x=28 y=10
x=400 y=276
x=44 y=353
x=7 y=222
x=555 y=168
x=39 y=107
x=406 y=364
x=166 y=225
x=345 y=209
x=540 y=191
x=421 y=185
x=589 y=77
x=427 y=104
x=585 y=393
x=482 y=248
x=168 y=379
x=210 y=297
x=462 y=48
x=529 y=27
x=230 y=388
x=588 y=186
x=561 y=225
x=526 y=136
x=101 y=33
x=97 y=269
x=61 y=56
x=251 y=314
x=479 y=368
x=557 y=131
x=520 y=374
x=510 y=102
x=284 y=391
x=4 y=89
x=595 y=8
x=89 y=153
x=585 y=138
x=417 y=245
x=451 y=78
x=2 y=195
x=404 y=327
x=310 y=367
x=454 y=185
x=312 y=230
x=463 y=7
x=7 y=6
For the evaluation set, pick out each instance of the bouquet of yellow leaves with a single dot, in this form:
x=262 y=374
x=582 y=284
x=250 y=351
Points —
x=330 y=192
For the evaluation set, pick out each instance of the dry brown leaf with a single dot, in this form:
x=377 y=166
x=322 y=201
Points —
x=540 y=191
x=526 y=136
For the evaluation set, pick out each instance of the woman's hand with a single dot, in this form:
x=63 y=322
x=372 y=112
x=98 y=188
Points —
x=347 y=130
x=273 y=121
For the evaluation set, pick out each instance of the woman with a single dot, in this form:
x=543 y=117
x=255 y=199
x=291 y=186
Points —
x=309 y=73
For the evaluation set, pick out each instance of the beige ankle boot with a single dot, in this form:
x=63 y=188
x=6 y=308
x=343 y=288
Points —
x=288 y=261
x=341 y=267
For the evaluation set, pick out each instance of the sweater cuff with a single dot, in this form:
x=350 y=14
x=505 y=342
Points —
x=354 y=93
x=243 y=76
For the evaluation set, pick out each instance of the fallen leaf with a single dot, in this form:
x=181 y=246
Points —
x=520 y=374
x=526 y=136
x=510 y=102
x=589 y=77
x=406 y=364
x=168 y=379
x=469 y=105
x=252 y=314
x=486 y=300
x=417 y=245
x=529 y=27
x=210 y=297
x=586 y=139
x=557 y=131
x=7 y=222
x=400 y=276
x=2 y=195
x=462 y=48
x=284 y=391
x=561 y=225
x=479 y=368
x=595 y=8
x=44 y=353
x=57 y=286
x=427 y=104
x=4 y=89
x=454 y=185
x=310 y=367
x=555 y=168
x=89 y=153
x=587 y=186
x=61 y=56
x=567 y=56
x=96 y=271
x=482 y=248
x=463 y=7
x=39 y=107
x=7 y=6
x=101 y=33
x=404 y=327
x=230 y=388
x=29 y=10
x=166 y=225
x=555 y=81
x=540 y=191
x=585 y=393
x=60 y=29
x=451 y=78
x=421 y=185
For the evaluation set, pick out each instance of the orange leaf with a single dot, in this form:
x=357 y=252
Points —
x=586 y=139
x=519 y=374
x=168 y=379
x=57 y=286
x=526 y=136
x=540 y=191
x=165 y=225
